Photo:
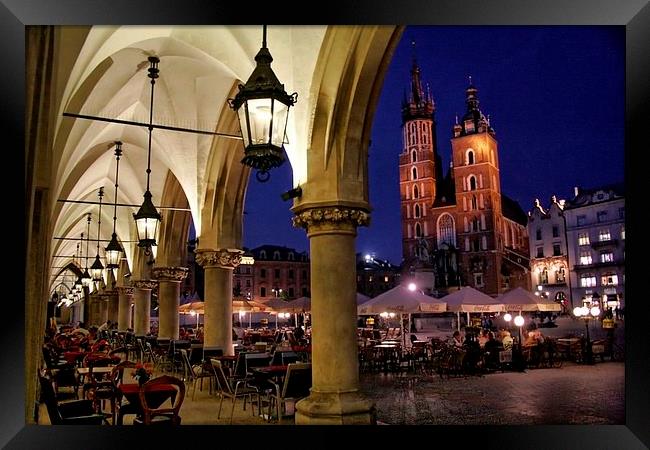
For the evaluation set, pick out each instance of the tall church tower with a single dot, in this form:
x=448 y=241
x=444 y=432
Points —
x=478 y=196
x=419 y=165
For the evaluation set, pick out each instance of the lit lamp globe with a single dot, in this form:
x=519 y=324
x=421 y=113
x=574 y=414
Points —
x=519 y=320
x=97 y=269
x=595 y=311
x=384 y=314
x=507 y=317
x=391 y=315
x=412 y=287
x=577 y=311
x=146 y=221
x=113 y=253
x=192 y=313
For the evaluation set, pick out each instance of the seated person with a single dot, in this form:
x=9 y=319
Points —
x=492 y=348
x=530 y=340
x=507 y=341
x=456 y=341
x=483 y=338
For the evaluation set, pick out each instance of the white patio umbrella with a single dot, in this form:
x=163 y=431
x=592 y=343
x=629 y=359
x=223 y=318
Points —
x=362 y=298
x=402 y=300
x=301 y=304
x=519 y=299
x=469 y=300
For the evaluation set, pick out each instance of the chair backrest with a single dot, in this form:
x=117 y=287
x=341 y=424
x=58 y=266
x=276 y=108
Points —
x=117 y=374
x=49 y=397
x=256 y=360
x=297 y=382
x=121 y=352
x=222 y=380
x=209 y=352
x=186 y=363
x=283 y=357
x=177 y=401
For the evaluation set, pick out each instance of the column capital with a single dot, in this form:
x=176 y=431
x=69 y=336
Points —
x=125 y=290
x=145 y=284
x=170 y=273
x=226 y=258
x=329 y=218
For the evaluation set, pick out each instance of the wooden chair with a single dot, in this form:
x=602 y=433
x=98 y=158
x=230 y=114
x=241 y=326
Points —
x=297 y=383
x=161 y=415
x=225 y=389
x=119 y=410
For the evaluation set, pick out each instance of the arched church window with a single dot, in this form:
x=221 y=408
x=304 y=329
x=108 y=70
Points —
x=414 y=156
x=474 y=204
x=446 y=230
x=276 y=255
x=472 y=183
x=416 y=193
x=470 y=156
x=418 y=230
x=417 y=211
x=263 y=254
x=415 y=173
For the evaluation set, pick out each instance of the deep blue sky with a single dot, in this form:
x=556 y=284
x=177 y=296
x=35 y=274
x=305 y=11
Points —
x=555 y=96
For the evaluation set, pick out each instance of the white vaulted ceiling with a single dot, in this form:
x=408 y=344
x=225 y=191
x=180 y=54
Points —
x=198 y=68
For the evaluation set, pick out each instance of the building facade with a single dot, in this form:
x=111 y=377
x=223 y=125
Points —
x=595 y=221
x=457 y=229
x=276 y=272
x=549 y=262
x=376 y=276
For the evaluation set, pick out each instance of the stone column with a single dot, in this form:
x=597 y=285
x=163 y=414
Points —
x=169 y=291
x=142 y=311
x=124 y=308
x=334 y=397
x=218 y=265
x=102 y=308
x=113 y=306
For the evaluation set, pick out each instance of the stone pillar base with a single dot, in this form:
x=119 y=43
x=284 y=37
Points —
x=335 y=408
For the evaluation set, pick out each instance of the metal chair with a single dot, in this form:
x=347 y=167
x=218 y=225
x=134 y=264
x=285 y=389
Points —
x=297 y=383
x=76 y=412
x=241 y=389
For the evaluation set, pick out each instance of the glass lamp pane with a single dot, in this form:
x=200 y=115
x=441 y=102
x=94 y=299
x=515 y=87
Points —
x=97 y=274
x=241 y=115
x=280 y=115
x=259 y=112
x=113 y=257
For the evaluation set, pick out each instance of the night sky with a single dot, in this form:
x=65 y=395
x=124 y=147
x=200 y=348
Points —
x=555 y=96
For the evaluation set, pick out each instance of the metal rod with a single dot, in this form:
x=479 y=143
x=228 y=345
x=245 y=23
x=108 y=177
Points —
x=88 y=202
x=162 y=127
x=74 y=239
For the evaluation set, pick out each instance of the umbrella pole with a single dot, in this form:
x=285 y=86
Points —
x=276 y=321
x=458 y=320
x=295 y=318
x=468 y=318
x=250 y=319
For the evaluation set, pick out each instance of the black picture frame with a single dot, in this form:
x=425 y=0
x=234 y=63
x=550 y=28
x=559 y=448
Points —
x=634 y=15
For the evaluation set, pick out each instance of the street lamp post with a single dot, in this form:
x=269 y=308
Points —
x=586 y=313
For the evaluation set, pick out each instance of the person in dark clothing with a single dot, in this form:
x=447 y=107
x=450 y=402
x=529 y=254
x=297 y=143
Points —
x=492 y=348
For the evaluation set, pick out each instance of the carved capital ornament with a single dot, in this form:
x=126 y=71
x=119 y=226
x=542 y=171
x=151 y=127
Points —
x=125 y=290
x=145 y=284
x=226 y=258
x=170 y=273
x=331 y=217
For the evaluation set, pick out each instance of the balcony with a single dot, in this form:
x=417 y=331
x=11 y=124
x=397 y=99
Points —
x=609 y=242
x=598 y=265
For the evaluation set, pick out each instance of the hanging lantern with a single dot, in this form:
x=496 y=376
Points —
x=262 y=106
x=113 y=250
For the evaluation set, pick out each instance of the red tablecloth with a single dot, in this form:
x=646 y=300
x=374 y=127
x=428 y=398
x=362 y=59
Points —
x=156 y=395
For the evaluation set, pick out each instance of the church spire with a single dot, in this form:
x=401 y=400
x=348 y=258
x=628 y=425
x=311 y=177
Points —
x=419 y=105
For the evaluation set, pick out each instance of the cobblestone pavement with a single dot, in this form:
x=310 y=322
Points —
x=572 y=394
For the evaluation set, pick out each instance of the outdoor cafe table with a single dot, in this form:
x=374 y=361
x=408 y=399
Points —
x=265 y=373
x=102 y=370
x=566 y=344
x=386 y=352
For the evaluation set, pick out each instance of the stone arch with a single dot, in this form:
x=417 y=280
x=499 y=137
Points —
x=174 y=227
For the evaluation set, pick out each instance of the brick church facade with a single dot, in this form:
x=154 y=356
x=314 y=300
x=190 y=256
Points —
x=457 y=229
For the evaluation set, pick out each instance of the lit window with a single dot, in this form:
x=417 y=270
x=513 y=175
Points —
x=469 y=126
x=583 y=239
x=543 y=277
x=601 y=216
x=560 y=276
x=609 y=280
x=623 y=233
x=385 y=279
x=604 y=235
x=587 y=280
x=606 y=257
x=585 y=258
x=582 y=220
